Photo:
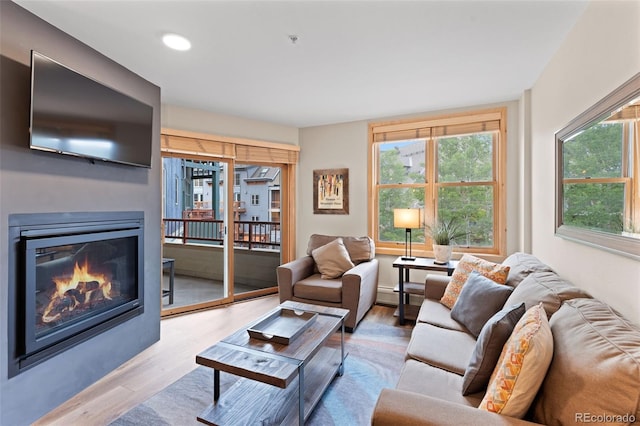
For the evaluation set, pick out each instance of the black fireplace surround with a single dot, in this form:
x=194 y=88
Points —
x=72 y=276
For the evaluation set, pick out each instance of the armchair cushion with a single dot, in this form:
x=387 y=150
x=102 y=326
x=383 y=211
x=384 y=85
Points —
x=332 y=259
x=315 y=288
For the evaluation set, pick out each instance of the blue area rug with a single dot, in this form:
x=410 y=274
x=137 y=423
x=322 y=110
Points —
x=376 y=354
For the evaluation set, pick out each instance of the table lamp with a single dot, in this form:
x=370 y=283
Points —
x=407 y=219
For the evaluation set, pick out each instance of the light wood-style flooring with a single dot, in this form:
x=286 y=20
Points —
x=181 y=339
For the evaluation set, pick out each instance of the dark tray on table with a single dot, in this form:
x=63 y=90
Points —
x=282 y=326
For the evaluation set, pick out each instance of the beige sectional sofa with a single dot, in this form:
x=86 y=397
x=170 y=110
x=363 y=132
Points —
x=593 y=375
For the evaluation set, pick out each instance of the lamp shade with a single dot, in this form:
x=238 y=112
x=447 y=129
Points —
x=406 y=218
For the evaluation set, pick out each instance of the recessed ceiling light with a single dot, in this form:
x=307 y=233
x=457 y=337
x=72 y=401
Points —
x=175 y=41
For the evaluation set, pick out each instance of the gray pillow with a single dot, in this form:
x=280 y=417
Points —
x=479 y=299
x=493 y=336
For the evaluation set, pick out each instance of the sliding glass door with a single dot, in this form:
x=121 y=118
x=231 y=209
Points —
x=196 y=238
x=257 y=229
x=228 y=217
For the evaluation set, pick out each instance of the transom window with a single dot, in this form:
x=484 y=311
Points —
x=452 y=168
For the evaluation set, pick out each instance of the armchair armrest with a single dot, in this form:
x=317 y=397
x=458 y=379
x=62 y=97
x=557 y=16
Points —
x=397 y=408
x=359 y=290
x=361 y=275
x=290 y=273
x=435 y=285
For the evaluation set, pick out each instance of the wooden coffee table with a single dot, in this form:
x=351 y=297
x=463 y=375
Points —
x=275 y=377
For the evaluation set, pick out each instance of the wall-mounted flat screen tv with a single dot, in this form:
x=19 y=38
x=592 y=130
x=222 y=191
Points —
x=76 y=115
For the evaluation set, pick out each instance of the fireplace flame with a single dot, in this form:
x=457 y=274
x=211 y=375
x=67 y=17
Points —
x=80 y=289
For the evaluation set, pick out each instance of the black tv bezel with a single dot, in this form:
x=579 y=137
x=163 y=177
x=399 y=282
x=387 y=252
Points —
x=77 y=154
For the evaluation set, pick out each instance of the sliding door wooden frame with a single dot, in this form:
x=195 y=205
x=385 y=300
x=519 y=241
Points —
x=207 y=147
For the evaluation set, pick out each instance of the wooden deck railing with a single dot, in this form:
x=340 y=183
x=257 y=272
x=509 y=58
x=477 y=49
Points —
x=245 y=234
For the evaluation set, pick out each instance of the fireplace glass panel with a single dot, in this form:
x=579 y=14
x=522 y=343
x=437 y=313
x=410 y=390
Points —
x=77 y=283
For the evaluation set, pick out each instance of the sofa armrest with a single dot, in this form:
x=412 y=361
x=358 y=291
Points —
x=290 y=273
x=396 y=408
x=435 y=285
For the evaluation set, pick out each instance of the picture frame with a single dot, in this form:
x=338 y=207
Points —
x=331 y=191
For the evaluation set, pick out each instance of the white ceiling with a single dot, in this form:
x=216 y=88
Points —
x=353 y=60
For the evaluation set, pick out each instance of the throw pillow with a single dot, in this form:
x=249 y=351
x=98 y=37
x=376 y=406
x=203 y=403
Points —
x=523 y=363
x=491 y=340
x=468 y=264
x=479 y=300
x=332 y=259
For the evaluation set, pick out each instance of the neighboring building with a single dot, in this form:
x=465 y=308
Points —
x=261 y=188
x=189 y=191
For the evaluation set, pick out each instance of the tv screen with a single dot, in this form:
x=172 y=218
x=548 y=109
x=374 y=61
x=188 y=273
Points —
x=76 y=115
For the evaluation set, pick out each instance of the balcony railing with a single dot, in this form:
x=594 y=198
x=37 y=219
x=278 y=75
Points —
x=251 y=235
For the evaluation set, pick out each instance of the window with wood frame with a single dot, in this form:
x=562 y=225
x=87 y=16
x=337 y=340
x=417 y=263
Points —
x=450 y=167
x=207 y=147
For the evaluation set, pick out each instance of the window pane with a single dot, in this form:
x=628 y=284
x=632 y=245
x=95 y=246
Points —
x=402 y=162
x=472 y=206
x=397 y=198
x=466 y=158
x=597 y=206
x=595 y=153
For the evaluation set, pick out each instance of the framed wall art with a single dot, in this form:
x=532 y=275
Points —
x=331 y=191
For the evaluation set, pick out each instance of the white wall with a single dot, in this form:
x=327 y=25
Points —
x=600 y=53
x=346 y=145
x=181 y=118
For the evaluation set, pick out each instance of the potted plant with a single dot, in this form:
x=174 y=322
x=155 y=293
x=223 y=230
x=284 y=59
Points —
x=443 y=234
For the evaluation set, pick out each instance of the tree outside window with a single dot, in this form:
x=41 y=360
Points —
x=595 y=184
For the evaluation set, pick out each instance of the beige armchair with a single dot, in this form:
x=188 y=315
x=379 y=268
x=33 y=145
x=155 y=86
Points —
x=337 y=271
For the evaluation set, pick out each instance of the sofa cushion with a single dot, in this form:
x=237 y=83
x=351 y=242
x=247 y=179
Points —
x=479 y=300
x=491 y=340
x=435 y=313
x=522 y=366
x=316 y=288
x=361 y=249
x=546 y=287
x=441 y=347
x=332 y=259
x=435 y=382
x=596 y=366
x=468 y=264
x=523 y=264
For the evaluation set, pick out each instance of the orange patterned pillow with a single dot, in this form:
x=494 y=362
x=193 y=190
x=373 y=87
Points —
x=522 y=366
x=494 y=271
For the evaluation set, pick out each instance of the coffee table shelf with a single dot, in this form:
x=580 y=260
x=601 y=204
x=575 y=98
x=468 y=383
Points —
x=280 y=383
x=254 y=402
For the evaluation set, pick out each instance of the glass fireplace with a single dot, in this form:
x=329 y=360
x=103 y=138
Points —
x=74 y=280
